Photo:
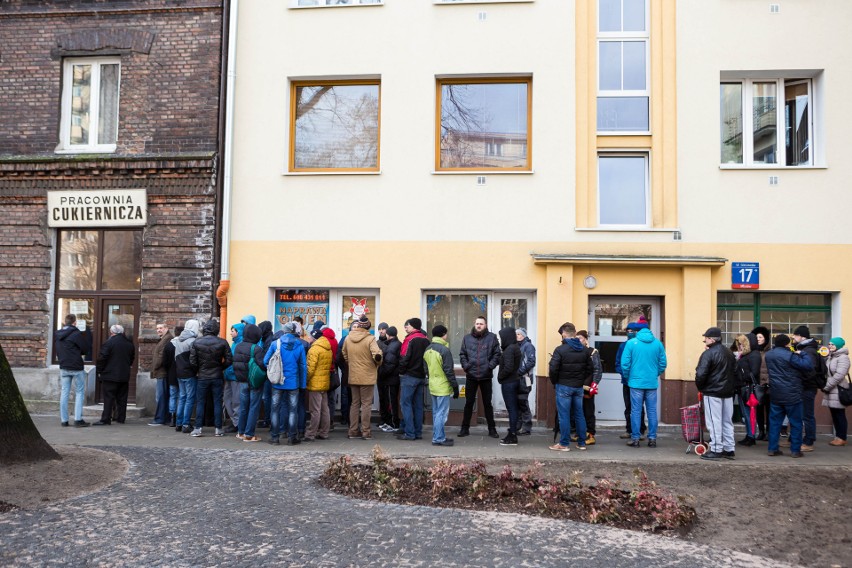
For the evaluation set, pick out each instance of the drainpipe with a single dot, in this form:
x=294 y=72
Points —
x=227 y=162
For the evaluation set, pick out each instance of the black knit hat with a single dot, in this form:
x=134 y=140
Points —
x=781 y=340
x=415 y=323
x=439 y=331
x=392 y=331
x=802 y=331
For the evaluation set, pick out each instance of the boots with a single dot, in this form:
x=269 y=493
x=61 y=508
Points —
x=172 y=420
x=747 y=441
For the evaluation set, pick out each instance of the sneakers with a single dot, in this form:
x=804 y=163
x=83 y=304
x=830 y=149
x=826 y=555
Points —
x=493 y=434
x=367 y=437
x=652 y=443
x=293 y=441
x=65 y=424
x=729 y=455
x=464 y=432
x=775 y=453
x=187 y=429
x=251 y=439
x=240 y=436
x=273 y=441
x=509 y=440
x=807 y=448
x=447 y=442
x=219 y=433
x=581 y=448
x=712 y=456
x=83 y=424
x=155 y=424
x=559 y=448
x=633 y=444
x=590 y=440
x=196 y=433
x=626 y=436
x=837 y=442
x=405 y=438
x=178 y=428
x=747 y=442
x=524 y=433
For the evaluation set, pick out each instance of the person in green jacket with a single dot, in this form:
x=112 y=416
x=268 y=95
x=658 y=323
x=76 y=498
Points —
x=438 y=364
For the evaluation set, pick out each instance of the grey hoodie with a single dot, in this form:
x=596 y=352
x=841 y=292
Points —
x=187 y=337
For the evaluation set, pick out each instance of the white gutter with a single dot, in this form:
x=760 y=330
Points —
x=228 y=159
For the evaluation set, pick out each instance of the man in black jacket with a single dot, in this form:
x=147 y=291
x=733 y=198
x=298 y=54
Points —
x=479 y=356
x=210 y=356
x=412 y=380
x=814 y=381
x=71 y=346
x=388 y=380
x=569 y=369
x=715 y=378
x=114 y=362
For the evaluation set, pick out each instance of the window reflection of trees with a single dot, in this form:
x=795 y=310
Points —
x=337 y=126
x=122 y=260
x=79 y=260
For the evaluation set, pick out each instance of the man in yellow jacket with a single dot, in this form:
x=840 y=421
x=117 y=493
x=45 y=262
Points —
x=439 y=366
x=363 y=356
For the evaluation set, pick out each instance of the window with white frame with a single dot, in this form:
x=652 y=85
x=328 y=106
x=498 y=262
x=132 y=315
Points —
x=480 y=1
x=90 y=105
x=332 y=3
x=623 y=67
x=758 y=129
x=623 y=189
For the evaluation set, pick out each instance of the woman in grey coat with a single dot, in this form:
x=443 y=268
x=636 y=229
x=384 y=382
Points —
x=838 y=367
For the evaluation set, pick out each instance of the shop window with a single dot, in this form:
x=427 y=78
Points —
x=767 y=122
x=310 y=305
x=484 y=124
x=457 y=312
x=338 y=308
x=623 y=190
x=623 y=68
x=334 y=126
x=740 y=312
x=90 y=105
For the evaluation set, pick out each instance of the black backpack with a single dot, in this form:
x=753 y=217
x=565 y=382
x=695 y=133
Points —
x=821 y=374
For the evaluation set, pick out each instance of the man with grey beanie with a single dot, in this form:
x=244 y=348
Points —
x=527 y=372
x=114 y=362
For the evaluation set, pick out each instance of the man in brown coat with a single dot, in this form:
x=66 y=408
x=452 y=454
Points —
x=363 y=356
x=160 y=373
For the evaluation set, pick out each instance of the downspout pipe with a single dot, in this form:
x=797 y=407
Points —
x=227 y=167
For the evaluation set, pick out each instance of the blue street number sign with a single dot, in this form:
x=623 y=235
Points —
x=745 y=275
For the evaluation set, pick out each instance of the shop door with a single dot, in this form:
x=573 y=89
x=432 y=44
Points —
x=608 y=319
x=124 y=312
x=513 y=309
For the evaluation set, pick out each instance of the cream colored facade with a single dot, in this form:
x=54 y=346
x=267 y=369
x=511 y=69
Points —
x=406 y=230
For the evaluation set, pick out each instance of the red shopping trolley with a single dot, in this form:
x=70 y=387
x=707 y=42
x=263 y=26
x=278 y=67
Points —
x=692 y=425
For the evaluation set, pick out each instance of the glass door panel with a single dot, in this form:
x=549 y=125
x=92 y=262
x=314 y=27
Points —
x=126 y=314
x=512 y=309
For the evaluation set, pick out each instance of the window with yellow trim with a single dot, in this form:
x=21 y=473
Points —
x=484 y=124
x=334 y=126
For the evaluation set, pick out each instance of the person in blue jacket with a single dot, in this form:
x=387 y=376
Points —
x=285 y=397
x=632 y=329
x=788 y=371
x=642 y=363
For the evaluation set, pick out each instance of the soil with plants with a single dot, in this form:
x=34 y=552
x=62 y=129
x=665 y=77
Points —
x=793 y=513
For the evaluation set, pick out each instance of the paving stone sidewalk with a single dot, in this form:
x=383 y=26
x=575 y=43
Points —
x=212 y=507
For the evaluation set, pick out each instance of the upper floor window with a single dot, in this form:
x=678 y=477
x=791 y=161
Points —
x=331 y=3
x=623 y=66
x=483 y=124
x=623 y=189
x=334 y=126
x=758 y=130
x=90 y=105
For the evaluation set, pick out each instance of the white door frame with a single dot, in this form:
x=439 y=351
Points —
x=494 y=317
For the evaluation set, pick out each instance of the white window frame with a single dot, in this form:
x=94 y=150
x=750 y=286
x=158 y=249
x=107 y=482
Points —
x=294 y=4
x=448 y=2
x=65 y=146
x=626 y=154
x=748 y=123
x=632 y=36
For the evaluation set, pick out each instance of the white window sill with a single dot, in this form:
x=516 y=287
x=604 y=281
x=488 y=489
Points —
x=294 y=6
x=481 y=172
x=451 y=2
x=769 y=167
x=622 y=133
x=109 y=149
x=332 y=173
x=625 y=230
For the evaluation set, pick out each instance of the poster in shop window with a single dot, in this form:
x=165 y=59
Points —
x=310 y=305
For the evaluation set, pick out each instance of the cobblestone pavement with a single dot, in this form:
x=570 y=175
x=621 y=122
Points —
x=211 y=507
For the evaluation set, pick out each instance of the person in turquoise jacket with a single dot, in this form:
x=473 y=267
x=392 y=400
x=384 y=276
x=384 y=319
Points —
x=642 y=363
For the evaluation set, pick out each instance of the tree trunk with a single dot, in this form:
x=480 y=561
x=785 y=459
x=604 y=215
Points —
x=20 y=440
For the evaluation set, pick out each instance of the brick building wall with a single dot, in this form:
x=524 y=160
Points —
x=170 y=55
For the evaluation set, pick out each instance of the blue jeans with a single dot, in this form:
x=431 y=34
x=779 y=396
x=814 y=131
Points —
x=174 y=393
x=510 y=397
x=746 y=412
x=303 y=409
x=267 y=401
x=808 y=418
x=285 y=403
x=65 y=378
x=161 y=414
x=440 y=411
x=638 y=398
x=569 y=401
x=249 y=409
x=217 y=386
x=411 y=404
x=793 y=412
x=186 y=402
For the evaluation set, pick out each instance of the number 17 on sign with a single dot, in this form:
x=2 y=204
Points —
x=745 y=275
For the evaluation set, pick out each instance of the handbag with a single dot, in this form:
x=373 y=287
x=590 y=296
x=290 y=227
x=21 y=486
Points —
x=844 y=393
x=334 y=381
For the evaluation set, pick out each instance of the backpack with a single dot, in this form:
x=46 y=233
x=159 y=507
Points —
x=274 y=370
x=821 y=370
x=256 y=375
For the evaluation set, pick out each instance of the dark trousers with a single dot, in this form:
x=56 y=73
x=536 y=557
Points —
x=484 y=386
x=215 y=387
x=762 y=412
x=389 y=404
x=808 y=416
x=510 y=397
x=524 y=423
x=115 y=395
x=161 y=415
x=625 y=391
x=588 y=414
x=345 y=403
x=841 y=425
